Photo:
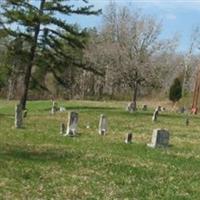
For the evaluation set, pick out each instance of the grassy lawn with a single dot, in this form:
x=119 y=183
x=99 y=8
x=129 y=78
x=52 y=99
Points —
x=36 y=162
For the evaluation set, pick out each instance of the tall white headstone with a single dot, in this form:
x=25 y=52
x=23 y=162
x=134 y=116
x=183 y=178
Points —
x=72 y=124
x=103 y=125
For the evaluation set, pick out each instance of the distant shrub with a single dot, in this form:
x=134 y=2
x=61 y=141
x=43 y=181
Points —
x=175 y=92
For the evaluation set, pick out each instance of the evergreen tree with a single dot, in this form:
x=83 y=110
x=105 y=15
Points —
x=42 y=25
x=175 y=92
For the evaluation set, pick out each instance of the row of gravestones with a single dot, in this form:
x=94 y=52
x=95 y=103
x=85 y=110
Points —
x=20 y=114
x=160 y=137
x=130 y=108
x=73 y=123
x=159 y=109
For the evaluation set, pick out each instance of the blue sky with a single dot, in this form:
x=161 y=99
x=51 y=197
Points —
x=177 y=16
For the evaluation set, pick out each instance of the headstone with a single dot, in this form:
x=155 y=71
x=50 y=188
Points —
x=128 y=138
x=62 y=128
x=72 y=124
x=18 y=116
x=163 y=109
x=103 y=124
x=158 y=108
x=155 y=116
x=182 y=109
x=88 y=126
x=62 y=109
x=54 y=108
x=131 y=106
x=160 y=138
x=144 y=108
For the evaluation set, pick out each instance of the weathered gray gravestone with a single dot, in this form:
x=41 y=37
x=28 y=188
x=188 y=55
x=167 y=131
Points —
x=158 y=108
x=72 y=124
x=162 y=109
x=103 y=125
x=155 y=115
x=131 y=106
x=62 y=109
x=182 y=109
x=18 y=116
x=144 y=108
x=62 y=128
x=128 y=138
x=160 y=138
x=54 y=108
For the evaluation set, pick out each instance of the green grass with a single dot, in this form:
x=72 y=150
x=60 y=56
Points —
x=36 y=162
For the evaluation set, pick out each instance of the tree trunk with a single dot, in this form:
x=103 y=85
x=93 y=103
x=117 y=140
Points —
x=134 y=97
x=28 y=70
x=12 y=82
x=11 y=88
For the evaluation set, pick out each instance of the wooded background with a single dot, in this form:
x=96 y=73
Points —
x=124 y=59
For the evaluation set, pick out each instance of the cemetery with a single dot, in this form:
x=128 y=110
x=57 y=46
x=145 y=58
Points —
x=99 y=100
x=120 y=155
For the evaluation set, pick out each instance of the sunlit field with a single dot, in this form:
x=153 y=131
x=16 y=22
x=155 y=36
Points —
x=37 y=162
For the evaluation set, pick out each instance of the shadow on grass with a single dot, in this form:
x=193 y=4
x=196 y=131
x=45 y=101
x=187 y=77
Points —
x=148 y=113
x=68 y=108
x=6 y=115
x=45 y=155
x=137 y=113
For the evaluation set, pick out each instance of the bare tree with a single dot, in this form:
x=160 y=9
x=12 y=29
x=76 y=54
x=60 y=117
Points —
x=131 y=41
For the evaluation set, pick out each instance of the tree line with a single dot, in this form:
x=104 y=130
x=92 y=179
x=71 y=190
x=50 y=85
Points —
x=44 y=56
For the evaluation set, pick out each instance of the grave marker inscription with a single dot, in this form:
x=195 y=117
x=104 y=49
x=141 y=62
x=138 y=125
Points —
x=160 y=138
x=72 y=124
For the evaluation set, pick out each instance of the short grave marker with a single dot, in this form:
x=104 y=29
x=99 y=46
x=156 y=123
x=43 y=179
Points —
x=131 y=106
x=103 y=125
x=54 y=108
x=128 y=138
x=160 y=138
x=144 y=108
x=72 y=124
